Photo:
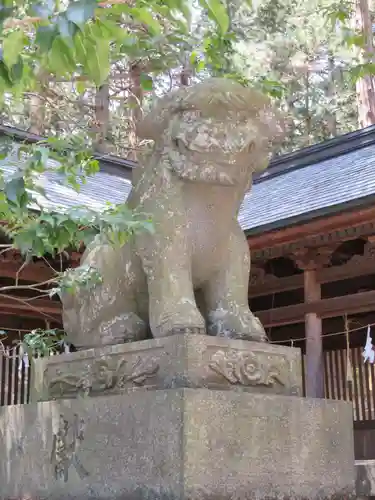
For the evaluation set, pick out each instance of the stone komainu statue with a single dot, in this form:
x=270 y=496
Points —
x=191 y=275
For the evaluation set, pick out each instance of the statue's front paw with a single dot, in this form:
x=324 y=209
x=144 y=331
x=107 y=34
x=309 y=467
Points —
x=180 y=321
x=240 y=325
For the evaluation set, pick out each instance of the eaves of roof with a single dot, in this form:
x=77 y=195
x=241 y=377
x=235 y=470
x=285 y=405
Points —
x=110 y=163
x=318 y=181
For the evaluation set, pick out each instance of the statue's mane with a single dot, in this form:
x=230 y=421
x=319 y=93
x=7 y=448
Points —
x=215 y=97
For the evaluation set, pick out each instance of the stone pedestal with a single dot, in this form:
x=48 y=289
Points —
x=183 y=418
x=181 y=361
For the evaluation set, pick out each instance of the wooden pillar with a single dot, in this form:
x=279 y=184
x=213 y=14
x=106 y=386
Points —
x=310 y=261
x=314 y=341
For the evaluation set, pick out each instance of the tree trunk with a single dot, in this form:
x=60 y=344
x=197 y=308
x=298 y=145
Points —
x=185 y=77
x=135 y=107
x=331 y=117
x=102 y=118
x=365 y=86
x=37 y=114
x=307 y=108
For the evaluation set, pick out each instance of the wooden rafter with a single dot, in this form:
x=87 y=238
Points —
x=31 y=272
x=37 y=308
x=325 y=308
x=268 y=284
x=316 y=229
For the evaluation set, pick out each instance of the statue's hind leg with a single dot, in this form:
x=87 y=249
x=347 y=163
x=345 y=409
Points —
x=95 y=321
x=107 y=313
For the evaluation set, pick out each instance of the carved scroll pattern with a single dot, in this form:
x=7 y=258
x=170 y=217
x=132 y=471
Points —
x=245 y=368
x=102 y=376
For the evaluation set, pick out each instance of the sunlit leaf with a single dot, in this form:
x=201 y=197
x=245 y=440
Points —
x=12 y=46
x=146 y=82
x=218 y=10
x=145 y=16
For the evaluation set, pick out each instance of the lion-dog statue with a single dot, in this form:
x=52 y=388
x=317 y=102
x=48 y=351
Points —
x=191 y=274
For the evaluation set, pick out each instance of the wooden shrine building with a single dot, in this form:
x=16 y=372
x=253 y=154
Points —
x=310 y=223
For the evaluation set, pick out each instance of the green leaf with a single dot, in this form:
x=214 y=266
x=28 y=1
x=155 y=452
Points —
x=81 y=46
x=148 y=226
x=184 y=8
x=12 y=46
x=60 y=58
x=66 y=28
x=145 y=16
x=357 y=40
x=218 y=12
x=45 y=36
x=98 y=64
x=43 y=9
x=146 y=82
x=5 y=13
x=15 y=188
x=80 y=87
x=81 y=11
x=110 y=30
x=16 y=71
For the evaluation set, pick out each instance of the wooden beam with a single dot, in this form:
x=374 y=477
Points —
x=316 y=227
x=35 y=273
x=353 y=268
x=272 y=285
x=325 y=308
x=327 y=275
x=37 y=308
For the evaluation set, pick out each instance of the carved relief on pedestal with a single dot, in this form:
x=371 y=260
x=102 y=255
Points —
x=249 y=368
x=66 y=443
x=100 y=376
x=181 y=361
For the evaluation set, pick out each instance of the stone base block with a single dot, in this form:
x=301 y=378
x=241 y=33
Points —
x=195 y=361
x=177 y=444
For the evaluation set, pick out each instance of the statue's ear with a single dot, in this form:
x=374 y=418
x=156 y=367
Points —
x=157 y=119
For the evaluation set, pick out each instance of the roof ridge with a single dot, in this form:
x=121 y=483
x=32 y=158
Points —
x=317 y=153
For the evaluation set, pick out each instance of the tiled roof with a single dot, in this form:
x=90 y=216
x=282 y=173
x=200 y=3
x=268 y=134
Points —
x=306 y=192
x=302 y=185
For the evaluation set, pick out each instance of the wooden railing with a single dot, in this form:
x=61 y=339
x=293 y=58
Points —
x=360 y=391
x=14 y=377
